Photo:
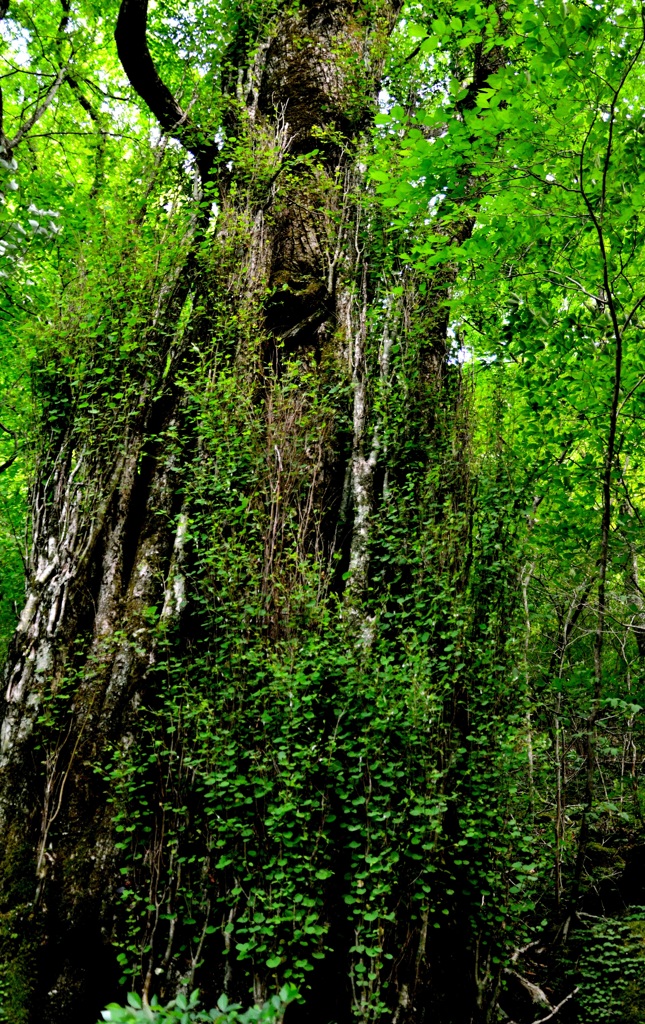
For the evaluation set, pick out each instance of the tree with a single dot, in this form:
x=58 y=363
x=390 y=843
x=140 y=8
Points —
x=302 y=690
x=205 y=503
x=550 y=297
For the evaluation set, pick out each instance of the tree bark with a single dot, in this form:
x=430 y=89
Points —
x=111 y=549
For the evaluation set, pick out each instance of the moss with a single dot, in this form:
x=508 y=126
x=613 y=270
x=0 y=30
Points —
x=18 y=956
x=633 y=1010
x=604 y=860
x=19 y=942
x=16 y=992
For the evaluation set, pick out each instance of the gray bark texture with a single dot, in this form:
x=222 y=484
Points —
x=108 y=527
x=110 y=523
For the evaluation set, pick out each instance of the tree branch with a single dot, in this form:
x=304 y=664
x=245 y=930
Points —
x=132 y=47
x=103 y=134
x=10 y=144
x=555 y=1010
x=536 y=993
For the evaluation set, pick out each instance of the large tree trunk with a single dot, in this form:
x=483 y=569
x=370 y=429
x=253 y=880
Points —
x=284 y=297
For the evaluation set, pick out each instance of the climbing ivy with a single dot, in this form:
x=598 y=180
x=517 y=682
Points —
x=186 y=1010
x=442 y=759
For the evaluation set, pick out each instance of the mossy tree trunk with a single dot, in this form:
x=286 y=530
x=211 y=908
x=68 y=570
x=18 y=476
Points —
x=269 y=343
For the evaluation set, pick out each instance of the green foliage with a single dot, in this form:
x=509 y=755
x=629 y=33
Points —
x=185 y=1010
x=544 y=156
x=297 y=771
x=14 y=461
x=611 y=969
x=421 y=756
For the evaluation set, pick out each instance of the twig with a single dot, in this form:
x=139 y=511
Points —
x=38 y=113
x=555 y=1010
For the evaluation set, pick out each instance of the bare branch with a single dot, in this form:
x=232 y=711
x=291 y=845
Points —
x=536 y=993
x=555 y=1010
x=517 y=953
x=11 y=144
x=597 y=298
x=631 y=392
x=9 y=462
